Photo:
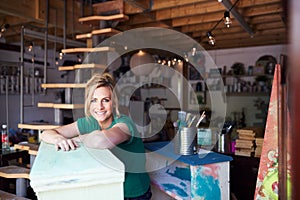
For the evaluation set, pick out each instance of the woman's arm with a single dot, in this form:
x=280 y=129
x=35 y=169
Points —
x=62 y=136
x=106 y=139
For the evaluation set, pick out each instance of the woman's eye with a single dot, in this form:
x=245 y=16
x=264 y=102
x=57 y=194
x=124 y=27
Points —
x=106 y=100
x=93 y=101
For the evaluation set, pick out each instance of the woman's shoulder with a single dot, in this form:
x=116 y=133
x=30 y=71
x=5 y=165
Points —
x=122 y=118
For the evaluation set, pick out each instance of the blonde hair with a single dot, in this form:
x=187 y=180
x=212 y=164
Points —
x=97 y=81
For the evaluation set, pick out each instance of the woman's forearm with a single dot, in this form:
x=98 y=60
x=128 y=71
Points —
x=51 y=136
x=96 y=140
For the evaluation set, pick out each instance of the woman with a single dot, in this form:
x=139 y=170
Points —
x=104 y=129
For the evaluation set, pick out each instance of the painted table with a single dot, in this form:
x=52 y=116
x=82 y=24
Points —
x=200 y=176
x=80 y=174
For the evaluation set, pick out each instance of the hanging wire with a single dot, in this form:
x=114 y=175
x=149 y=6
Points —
x=215 y=26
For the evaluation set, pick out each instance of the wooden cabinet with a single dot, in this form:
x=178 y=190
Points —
x=199 y=176
x=243 y=176
x=79 y=174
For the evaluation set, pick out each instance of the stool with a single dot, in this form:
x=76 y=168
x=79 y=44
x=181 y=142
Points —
x=18 y=173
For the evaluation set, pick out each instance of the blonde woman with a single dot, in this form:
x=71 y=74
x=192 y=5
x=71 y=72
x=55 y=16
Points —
x=104 y=127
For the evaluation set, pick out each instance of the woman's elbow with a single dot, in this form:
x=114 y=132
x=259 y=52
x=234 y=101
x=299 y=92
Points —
x=99 y=143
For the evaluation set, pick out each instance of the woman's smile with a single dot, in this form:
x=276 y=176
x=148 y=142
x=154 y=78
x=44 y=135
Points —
x=101 y=106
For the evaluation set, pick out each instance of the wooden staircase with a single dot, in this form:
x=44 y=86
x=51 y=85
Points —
x=110 y=11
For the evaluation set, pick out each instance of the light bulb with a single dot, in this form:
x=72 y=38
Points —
x=227 y=20
x=211 y=39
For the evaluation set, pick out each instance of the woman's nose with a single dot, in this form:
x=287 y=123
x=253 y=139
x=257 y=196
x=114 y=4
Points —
x=101 y=105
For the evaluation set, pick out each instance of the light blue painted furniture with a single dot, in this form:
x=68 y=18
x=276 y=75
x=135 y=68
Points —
x=200 y=176
x=81 y=174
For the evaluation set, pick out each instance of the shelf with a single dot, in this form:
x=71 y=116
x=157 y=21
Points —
x=82 y=66
x=63 y=85
x=60 y=106
x=246 y=94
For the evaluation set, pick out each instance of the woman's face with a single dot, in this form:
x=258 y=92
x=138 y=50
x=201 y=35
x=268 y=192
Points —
x=101 y=107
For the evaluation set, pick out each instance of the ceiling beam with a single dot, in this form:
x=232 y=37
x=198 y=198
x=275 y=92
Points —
x=229 y=6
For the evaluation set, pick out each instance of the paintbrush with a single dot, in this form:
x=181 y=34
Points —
x=201 y=118
x=192 y=120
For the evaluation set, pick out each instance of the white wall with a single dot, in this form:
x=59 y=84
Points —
x=248 y=56
x=31 y=111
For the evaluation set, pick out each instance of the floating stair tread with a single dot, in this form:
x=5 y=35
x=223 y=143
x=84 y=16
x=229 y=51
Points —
x=82 y=66
x=9 y=196
x=37 y=126
x=65 y=68
x=96 y=18
x=13 y=171
x=33 y=152
x=60 y=105
x=83 y=49
x=91 y=65
x=26 y=146
x=104 y=31
x=63 y=85
x=31 y=148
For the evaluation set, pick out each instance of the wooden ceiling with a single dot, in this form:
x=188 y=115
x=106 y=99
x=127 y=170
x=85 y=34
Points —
x=265 y=19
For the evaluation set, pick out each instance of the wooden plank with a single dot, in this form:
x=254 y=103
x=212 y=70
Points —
x=82 y=50
x=37 y=126
x=31 y=148
x=65 y=68
x=32 y=152
x=90 y=65
x=26 y=146
x=108 y=6
x=82 y=66
x=84 y=36
x=14 y=172
x=105 y=31
x=60 y=105
x=96 y=18
x=132 y=7
x=63 y=85
x=68 y=106
x=9 y=196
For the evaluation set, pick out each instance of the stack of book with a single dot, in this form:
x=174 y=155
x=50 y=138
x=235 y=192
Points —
x=259 y=143
x=245 y=144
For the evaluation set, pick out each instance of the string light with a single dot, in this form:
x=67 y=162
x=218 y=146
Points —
x=3 y=28
x=170 y=62
x=30 y=47
x=227 y=20
x=211 y=39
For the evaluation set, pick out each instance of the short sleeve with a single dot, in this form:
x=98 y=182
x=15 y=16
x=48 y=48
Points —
x=130 y=124
x=87 y=124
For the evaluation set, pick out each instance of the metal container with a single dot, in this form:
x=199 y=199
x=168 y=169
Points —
x=185 y=141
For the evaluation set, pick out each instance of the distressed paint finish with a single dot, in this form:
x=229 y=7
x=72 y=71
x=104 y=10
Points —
x=80 y=174
x=210 y=181
x=184 y=181
x=267 y=178
x=175 y=180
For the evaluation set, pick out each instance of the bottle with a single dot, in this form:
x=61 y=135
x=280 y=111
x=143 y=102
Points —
x=5 y=138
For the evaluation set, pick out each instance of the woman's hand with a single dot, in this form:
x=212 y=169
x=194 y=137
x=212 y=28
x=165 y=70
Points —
x=66 y=144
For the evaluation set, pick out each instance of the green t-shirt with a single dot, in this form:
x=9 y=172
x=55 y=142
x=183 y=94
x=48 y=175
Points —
x=131 y=153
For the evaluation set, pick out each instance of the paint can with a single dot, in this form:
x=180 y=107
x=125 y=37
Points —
x=185 y=141
x=204 y=138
